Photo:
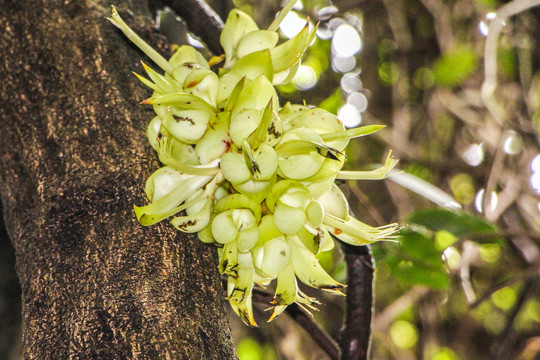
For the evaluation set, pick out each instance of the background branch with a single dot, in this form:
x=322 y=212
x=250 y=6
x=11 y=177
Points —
x=306 y=321
x=490 y=54
x=502 y=349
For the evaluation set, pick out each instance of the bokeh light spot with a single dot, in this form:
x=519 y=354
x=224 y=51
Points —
x=358 y=100
x=351 y=83
x=452 y=257
x=324 y=31
x=483 y=27
x=504 y=298
x=474 y=155
x=305 y=78
x=349 y=115
x=292 y=24
x=535 y=181
x=388 y=73
x=479 y=201
x=444 y=354
x=513 y=143
x=490 y=253
x=424 y=78
x=494 y=322
x=327 y=12
x=444 y=239
x=462 y=187
x=343 y=64
x=535 y=164
x=346 y=41
x=403 y=334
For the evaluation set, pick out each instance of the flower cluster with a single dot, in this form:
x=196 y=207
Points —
x=251 y=177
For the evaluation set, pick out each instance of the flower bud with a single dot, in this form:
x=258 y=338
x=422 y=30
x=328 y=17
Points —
x=255 y=41
x=202 y=83
x=185 y=60
x=276 y=255
x=237 y=25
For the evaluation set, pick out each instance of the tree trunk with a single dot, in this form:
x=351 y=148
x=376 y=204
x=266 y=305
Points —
x=74 y=160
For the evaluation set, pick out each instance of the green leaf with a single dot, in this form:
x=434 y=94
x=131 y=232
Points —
x=255 y=41
x=237 y=25
x=417 y=261
x=421 y=247
x=458 y=223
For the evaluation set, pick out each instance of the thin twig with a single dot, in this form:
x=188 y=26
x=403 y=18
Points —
x=531 y=273
x=384 y=319
x=385 y=135
x=356 y=332
x=506 y=197
x=503 y=234
x=492 y=179
x=305 y=320
x=397 y=20
x=459 y=107
x=490 y=55
x=201 y=19
x=363 y=199
x=502 y=349
x=442 y=22
x=469 y=253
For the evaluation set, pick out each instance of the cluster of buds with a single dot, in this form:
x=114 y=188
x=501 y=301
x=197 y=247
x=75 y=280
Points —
x=251 y=177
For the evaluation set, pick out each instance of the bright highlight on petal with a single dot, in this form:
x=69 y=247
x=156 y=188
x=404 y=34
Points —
x=251 y=178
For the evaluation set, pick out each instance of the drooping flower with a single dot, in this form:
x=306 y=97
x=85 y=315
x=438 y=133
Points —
x=254 y=179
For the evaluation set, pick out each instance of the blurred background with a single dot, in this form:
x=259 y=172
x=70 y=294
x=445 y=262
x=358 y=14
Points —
x=463 y=282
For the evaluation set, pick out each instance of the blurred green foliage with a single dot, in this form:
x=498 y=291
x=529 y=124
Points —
x=455 y=66
x=250 y=349
x=333 y=102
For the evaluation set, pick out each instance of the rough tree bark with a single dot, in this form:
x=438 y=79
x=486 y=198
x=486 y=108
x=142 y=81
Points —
x=74 y=159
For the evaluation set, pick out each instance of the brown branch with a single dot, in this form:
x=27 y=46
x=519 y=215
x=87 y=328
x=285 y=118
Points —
x=441 y=21
x=202 y=20
x=503 y=234
x=502 y=349
x=305 y=320
x=468 y=254
x=363 y=199
x=384 y=319
x=492 y=179
x=356 y=332
x=528 y=275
